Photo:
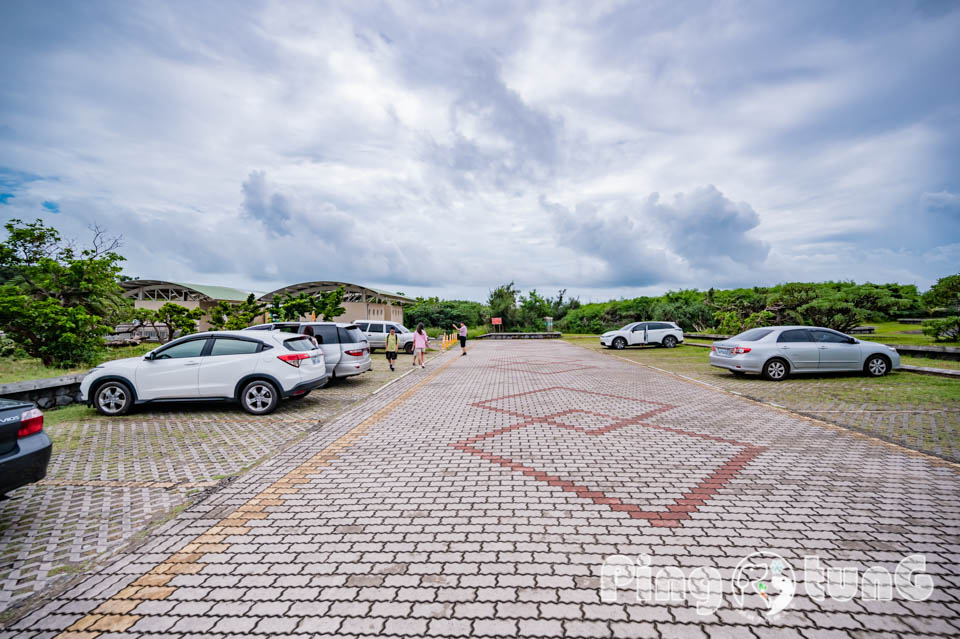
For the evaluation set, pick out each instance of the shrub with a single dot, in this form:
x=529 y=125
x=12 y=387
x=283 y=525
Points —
x=942 y=330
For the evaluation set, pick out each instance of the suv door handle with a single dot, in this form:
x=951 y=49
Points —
x=784 y=348
x=822 y=348
x=192 y=364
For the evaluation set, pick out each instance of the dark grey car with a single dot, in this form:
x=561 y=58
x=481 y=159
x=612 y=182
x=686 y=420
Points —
x=345 y=349
x=24 y=447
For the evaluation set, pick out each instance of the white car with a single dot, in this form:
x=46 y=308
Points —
x=665 y=334
x=376 y=333
x=255 y=369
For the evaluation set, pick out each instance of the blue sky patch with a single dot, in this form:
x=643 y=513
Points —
x=6 y=197
x=53 y=207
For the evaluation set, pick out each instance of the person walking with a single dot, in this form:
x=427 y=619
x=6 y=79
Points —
x=391 y=347
x=420 y=344
x=463 y=337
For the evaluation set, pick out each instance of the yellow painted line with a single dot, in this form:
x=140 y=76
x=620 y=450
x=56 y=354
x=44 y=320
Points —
x=112 y=614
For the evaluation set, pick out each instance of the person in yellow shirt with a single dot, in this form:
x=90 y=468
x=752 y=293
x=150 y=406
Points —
x=391 y=348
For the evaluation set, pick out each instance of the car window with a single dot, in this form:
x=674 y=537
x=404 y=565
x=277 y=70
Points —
x=289 y=328
x=262 y=327
x=640 y=326
x=401 y=328
x=224 y=346
x=325 y=333
x=829 y=337
x=375 y=328
x=191 y=348
x=363 y=325
x=796 y=335
x=350 y=335
x=300 y=344
x=660 y=325
x=752 y=335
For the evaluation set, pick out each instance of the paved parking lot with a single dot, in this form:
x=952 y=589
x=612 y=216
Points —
x=481 y=497
x=109 y=479
x=914 y=411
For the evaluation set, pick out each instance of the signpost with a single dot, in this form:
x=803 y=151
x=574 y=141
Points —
x=497 y=321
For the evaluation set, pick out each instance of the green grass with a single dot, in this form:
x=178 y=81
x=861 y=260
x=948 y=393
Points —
x=67 y=414
x=892 y=333
x=929 y=362
x=22 y=370
x=897 y=389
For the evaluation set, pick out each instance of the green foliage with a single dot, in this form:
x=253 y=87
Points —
x=326 y=305
x=503 y=304
x=838 y=305
x=729 y=323
x=9 y=348
x=177 y=320
x=235 y=317
x=942 y=330
x=56 y=301
x=944 y=294
x=436 y=313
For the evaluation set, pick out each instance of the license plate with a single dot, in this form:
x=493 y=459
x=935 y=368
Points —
x=315 y=359
x=723 y=351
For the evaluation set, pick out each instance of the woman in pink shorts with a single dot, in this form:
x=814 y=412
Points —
x=420 y=344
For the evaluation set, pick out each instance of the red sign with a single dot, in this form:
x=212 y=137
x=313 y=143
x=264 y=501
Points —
x=496 y=320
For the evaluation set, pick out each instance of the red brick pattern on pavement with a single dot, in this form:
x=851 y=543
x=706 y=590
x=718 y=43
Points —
x=481 y=499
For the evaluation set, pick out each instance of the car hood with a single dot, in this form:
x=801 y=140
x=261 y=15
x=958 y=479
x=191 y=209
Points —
x=125 y=364
x=876 y=345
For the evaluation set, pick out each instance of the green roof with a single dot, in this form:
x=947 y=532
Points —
x=217 y=292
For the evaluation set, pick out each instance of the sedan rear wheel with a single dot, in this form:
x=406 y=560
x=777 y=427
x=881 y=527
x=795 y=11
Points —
x=775 y=370
x=619 y=343
x=259 y=398
x=877 y=366
x=113 y=398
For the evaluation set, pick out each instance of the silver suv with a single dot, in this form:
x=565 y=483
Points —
x=345 y=349
x=376 y=332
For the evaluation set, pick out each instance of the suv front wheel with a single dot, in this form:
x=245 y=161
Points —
x=259 y=397
x=113 y=398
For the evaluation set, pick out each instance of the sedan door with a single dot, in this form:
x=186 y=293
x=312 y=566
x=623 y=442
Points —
x=228 y=360
x=798 y=347
x=174 y=372
x=836 y=351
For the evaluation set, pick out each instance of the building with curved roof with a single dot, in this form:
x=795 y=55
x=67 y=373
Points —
x=360 y=302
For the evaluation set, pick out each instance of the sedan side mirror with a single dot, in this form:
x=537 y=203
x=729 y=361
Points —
x=851 y=340
x=148 y=357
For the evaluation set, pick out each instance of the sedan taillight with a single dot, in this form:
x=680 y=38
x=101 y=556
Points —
x=740 y=350
x=31 y=422
x=293 y=359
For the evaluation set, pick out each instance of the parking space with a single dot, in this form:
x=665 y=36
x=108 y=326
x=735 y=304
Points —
x=110 y=480
x=482 y=496
x=915 y=411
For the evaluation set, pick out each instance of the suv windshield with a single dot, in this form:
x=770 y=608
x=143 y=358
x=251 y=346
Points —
x=753 y=335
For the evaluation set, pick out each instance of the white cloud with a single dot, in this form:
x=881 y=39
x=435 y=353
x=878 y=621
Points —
x=451 y=146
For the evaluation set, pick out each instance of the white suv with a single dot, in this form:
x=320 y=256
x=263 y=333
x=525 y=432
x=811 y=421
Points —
x=639 y=333
x=255 y=369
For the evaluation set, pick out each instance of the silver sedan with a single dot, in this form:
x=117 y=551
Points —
x=778 y=351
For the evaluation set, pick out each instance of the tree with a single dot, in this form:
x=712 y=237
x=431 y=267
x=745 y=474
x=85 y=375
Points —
x=327 y=304
x=56 y=301
x=946 y=329
x=175 y=319
x=291 y=308
x=944 y=294
x=235 y=317
x=503 y=304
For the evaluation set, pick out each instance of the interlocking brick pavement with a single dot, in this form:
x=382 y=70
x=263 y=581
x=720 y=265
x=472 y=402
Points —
x=109 y=478
x=480 y=497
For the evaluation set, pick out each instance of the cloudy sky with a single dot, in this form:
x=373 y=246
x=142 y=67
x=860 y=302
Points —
x=442 y=148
